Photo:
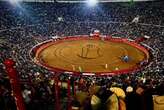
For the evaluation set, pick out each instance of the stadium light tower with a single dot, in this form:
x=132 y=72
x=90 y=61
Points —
x=92 y=2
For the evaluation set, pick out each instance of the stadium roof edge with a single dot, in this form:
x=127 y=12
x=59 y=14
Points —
x=101 y=1
x=79 y=1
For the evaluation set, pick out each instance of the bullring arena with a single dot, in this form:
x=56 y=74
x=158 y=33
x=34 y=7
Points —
x=81 y=55
x=91 y=55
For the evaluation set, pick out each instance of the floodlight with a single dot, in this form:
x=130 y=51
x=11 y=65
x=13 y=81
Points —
x=14 y=2
x=92 y=2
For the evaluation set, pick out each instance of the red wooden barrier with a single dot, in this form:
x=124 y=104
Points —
x=15 y=83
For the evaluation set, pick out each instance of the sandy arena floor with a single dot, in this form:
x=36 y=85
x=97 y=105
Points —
x=90 y=56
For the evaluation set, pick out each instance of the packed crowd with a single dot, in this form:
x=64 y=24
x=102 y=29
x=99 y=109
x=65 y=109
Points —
x=24 y=26
x=34 y=13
